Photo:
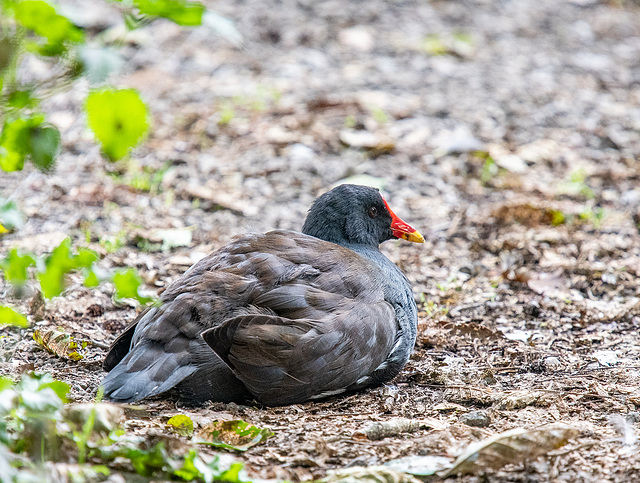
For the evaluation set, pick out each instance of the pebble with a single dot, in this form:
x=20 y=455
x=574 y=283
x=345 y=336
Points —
x=478 y=419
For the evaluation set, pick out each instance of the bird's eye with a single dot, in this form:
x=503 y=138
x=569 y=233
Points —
x=373 y=212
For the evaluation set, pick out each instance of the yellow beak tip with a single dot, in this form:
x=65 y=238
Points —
x=415 y=237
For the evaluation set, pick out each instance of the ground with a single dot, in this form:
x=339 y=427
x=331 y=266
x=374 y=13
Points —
x=507 y=132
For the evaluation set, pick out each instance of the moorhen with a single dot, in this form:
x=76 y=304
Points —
x=281 y=317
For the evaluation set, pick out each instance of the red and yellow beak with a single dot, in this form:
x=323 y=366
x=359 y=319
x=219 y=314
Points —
x=401 y=229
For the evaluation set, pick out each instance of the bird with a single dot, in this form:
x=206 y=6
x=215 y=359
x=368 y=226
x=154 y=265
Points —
x=278 y=318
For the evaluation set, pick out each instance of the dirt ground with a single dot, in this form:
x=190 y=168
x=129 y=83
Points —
x=528 y=281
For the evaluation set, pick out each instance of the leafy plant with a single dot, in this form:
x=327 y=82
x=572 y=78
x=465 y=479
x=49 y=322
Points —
x=593 y=215
x=114 y=243
x=378 y=114
x=35 y=28
x=577 y=185
x=60 y=263
x=37 y=426
x=52 y=271
x=141 y=178
x=15 y=267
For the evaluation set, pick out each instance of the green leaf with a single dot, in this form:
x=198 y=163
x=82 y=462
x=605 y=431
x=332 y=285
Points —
x=8 y=48
x=99 y=62
x=189 y=471
x=233 y=473
x=27 y=137
x=14 y=143
x=10 y=216
x=85 y=258
x=127 y=282
x=58 y=264
x=42 y=18
x=182 y=12
x=8 y=316
x=91 y=279
x=181 y=424
x=45 y=144
x=146 y=462
x=118 y=118
x=61 y=262
x=15 y=267
x=60 y=388
x=41 y=399
x=22 y=99
x=5 y=383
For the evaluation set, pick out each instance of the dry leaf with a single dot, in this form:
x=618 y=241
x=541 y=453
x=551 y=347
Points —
x=235 y=435
x=60 y=344
x=420 y=466
x=373 y=474
x=510 y=447
x=550 y=284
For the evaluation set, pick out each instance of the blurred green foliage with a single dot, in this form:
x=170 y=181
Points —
x=118 y=118
x=35 y=28
x=8 y=316
x=127 y=281
x=51 y=272
x=38 y=426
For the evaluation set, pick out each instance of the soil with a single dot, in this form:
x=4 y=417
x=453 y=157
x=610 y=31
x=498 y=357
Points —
x=507 y=132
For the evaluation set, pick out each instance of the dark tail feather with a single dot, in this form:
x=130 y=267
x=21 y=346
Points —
x=128 y=383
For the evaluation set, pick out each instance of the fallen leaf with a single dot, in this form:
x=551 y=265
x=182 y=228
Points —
x=550 y=284
x=521 y=399
x=181 y=424
x=235 y=435
x=367 y=140
x=420 y=466
x=373 y=474
x=510 y=447
x=60 y=344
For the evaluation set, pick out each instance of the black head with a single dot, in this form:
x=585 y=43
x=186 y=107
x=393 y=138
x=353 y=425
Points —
x=352 y=214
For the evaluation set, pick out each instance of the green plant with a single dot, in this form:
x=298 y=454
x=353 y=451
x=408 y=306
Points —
x=10 y=216
x=489 y=171
x=434 y=45
x=229 y=108
x=350 y=122
x=37 y=426
x=35 y=28
x=112 y=244
x=593 y=215
x=141 y=178
x=8 y=316
x=432 y=308
x=577 y=185
x=378 y=114
x=51 y=272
